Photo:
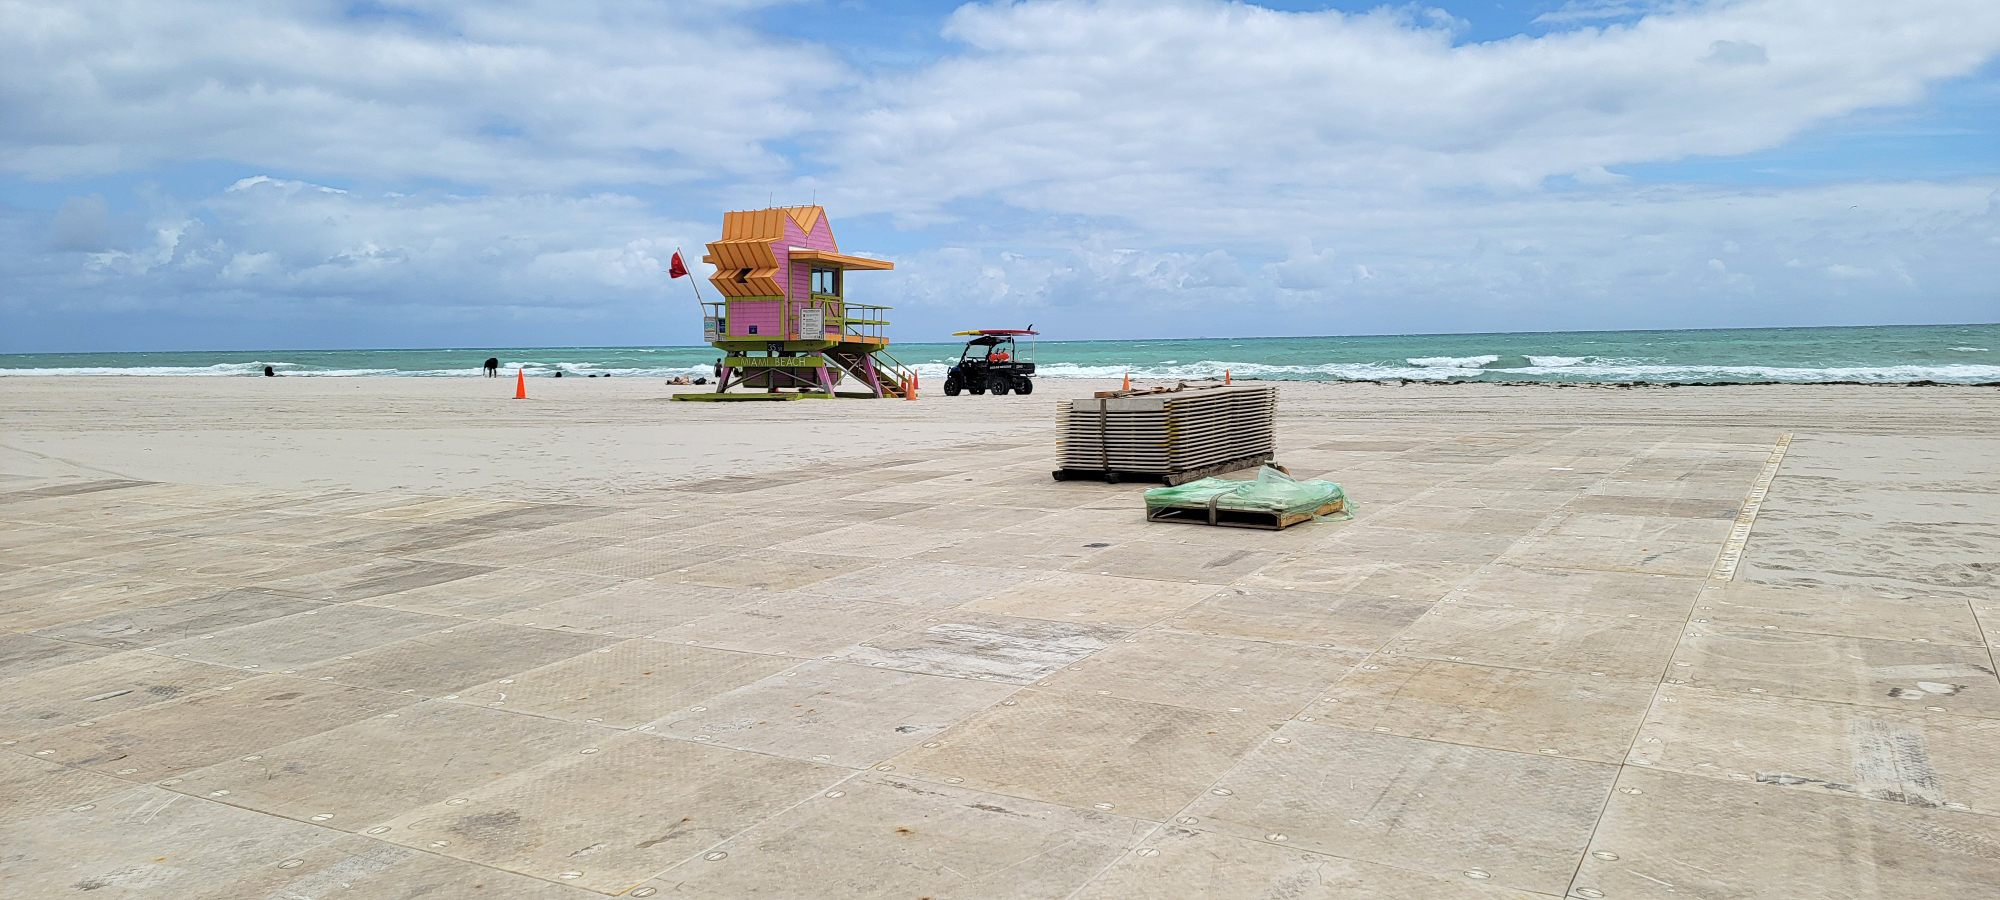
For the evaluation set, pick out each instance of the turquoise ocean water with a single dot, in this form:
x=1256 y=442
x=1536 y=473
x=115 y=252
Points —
x=1963 y=354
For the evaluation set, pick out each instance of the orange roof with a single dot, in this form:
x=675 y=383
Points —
x=842 y=260
x=767 y=224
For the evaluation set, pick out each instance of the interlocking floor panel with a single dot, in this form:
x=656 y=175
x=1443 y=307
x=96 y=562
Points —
x=976 y=645
x=1399 y=545
x=1843 y=610
x=370 y=579
x=792 y=623
x=877 y=835
x=1449 y=517
x=1767 y=841
x=611 y=818
x=883 y=539
x=453 y=658
x=326 y=633
x=354 y=776
x=167 y=739
x=1902 y=675
x=1553 y=713
x=1915 y=756
x=1583 y=590
x=833 y=712
x=921 y=585
x=365 y=867
x=626 y=608
x=1722 y=508
x=775 y=572
x=1092 y=599
x=31 y=787
x=146 y=842
x=1212 y=672
x=1332 y=573
x=1521 y=819
x=1179 y=862
x=1616 y=646
x=959 y=518
x=1348 y=621
x=406 y=539
x=1015 y=551
x=626 y=684
x=223 y=564
x=26 y=654
x=101 y=686
x=154 y=625
x=513 y=549
x=1088 y=751
x=946 y=675
x=495 y=594
x=1166 y=561
x=1614 y=554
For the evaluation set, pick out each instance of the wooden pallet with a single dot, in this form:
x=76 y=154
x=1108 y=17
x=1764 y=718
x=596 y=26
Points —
x=1239 y=518
x=1183 y=476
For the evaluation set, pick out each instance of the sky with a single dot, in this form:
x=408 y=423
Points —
x=308 y=174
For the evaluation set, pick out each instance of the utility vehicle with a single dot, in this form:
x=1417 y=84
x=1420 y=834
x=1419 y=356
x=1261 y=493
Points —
x=991 y=362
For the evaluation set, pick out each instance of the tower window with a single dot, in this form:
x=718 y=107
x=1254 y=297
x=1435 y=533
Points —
x=826 y=281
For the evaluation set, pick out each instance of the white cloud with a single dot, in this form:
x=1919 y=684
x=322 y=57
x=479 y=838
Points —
x=288 y=245
x=1634 y=257
x=531 y=95
x=1187 y=167
x=1186 y=115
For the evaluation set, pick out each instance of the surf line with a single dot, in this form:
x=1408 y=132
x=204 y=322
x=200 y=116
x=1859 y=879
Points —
x=1739 y=534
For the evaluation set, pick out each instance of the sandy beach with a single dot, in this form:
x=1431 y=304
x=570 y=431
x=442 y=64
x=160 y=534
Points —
x=400 y=637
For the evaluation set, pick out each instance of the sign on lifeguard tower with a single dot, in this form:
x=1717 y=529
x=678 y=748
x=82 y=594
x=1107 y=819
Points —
x=785 y=326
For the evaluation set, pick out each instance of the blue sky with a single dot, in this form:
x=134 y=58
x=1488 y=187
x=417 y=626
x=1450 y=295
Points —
x=302 y=174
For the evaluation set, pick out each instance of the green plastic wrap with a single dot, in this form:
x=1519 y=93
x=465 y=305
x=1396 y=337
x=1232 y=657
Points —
x=1272 y=491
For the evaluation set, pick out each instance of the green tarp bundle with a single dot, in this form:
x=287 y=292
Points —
x=1273 y=491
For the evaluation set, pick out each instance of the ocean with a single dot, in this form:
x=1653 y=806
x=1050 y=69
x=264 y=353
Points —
x=1957 y=354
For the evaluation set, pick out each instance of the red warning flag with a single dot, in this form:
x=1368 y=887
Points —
x=676 y=268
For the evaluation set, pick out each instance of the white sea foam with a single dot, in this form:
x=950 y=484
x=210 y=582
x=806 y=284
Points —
x=1452 y=362
x=1587 y=370
x=1970 y=349
x=1555 y=361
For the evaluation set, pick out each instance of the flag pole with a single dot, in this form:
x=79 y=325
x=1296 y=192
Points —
x=690 y=277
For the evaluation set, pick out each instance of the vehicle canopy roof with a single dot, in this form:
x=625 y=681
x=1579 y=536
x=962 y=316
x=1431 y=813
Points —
x=1009 y=332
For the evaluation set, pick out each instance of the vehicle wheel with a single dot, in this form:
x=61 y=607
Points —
x=1023 y=386
x=1000 y=385
x=952 y=387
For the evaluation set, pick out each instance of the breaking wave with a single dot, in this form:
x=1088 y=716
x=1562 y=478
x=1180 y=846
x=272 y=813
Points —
x=1452 y=362
x=1555 y=369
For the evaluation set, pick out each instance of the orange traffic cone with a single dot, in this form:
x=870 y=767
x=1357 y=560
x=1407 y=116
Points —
x=1128 y=382
x=520 y=385
x=910 y=387
x=1225 y=376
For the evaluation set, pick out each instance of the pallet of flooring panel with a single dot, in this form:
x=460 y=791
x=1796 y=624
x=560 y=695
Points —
x=1222 y=516
x=1138 y=476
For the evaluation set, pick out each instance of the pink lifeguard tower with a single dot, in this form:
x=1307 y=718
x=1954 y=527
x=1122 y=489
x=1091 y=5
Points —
x=785 y=326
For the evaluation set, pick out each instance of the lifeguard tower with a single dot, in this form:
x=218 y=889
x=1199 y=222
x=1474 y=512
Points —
x=784 y=325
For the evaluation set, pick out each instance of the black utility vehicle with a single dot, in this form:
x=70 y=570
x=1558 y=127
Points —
x=991 y=362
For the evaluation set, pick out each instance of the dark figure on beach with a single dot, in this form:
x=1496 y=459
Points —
x=493 y=367
x=268 y=373
x=558 y=374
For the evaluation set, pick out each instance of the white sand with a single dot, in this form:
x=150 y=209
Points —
x=578 y=438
